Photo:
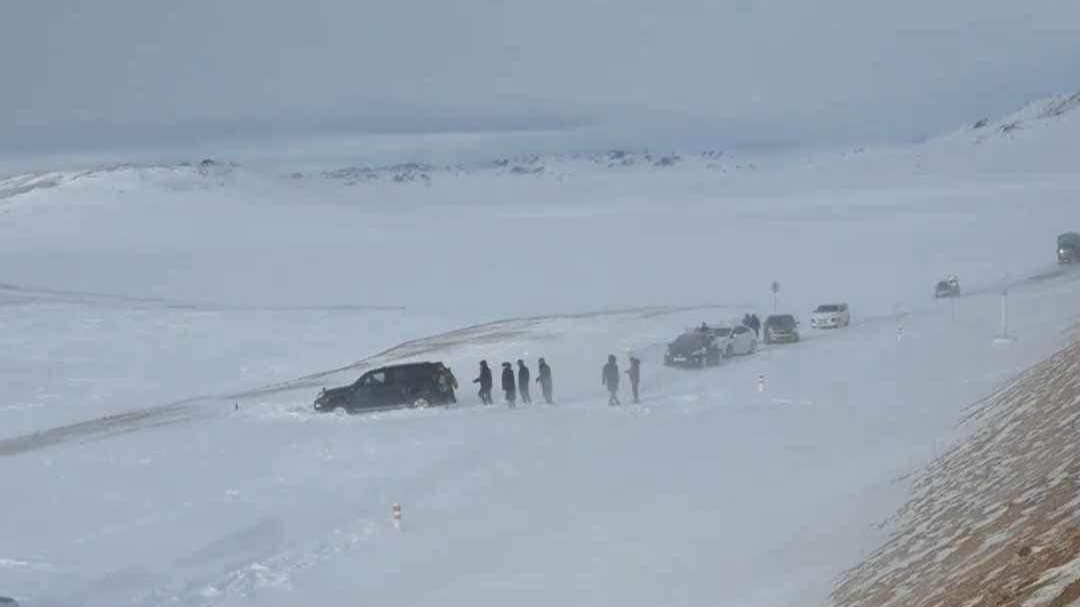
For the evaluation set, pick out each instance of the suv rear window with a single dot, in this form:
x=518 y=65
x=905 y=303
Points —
x=785 y=321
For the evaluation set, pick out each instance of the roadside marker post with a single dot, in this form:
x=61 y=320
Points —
x=397 y=516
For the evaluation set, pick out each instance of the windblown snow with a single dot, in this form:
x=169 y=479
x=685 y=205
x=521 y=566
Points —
x=164 y=329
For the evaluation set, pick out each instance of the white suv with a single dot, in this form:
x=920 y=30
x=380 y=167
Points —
x=830 y=316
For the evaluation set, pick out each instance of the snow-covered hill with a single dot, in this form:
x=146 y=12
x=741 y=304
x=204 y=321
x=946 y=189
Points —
x=165 y=328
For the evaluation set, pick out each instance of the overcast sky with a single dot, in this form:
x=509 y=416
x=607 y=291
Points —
x=107 y=72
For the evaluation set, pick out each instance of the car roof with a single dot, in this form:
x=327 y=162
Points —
x=408 y=366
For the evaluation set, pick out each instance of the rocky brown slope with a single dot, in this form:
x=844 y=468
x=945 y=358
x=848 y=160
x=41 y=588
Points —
x=995 y=522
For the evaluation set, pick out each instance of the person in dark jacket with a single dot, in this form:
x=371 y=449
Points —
x=485 y=380
x=610 y=377
x=508 y=385
x=755 y=324
x=447 y=383
x=523 y=383
x=544 y=379
x=635 y=376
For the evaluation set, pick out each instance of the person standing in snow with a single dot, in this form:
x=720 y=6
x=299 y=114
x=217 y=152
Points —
x=508 y=385
x=635 y=376
x=544 y=379
x=485 y=381
x=447 y=383
x=755 y=324
x=610 y=378
x=523 y=383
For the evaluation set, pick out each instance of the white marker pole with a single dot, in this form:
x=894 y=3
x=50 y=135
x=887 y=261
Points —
x=397 y=516
x=760 y=383
x=899 y=332
x=1005 y=313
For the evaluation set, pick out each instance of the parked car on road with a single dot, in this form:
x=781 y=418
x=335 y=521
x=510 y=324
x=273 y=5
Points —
x=950 y=287
x=830 y=316
x=780 y=328
x=1068 y=247
x=706 y=346
x=407 y=385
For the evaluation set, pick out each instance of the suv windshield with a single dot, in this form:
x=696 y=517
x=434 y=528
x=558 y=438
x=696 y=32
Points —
x=828 y=308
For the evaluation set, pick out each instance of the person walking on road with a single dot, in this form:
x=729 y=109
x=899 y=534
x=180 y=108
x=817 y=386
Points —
x=544 y=379
x=508 y=385
x=485 y=380
x=610 y=377
x=635 y=376
x=523 y=383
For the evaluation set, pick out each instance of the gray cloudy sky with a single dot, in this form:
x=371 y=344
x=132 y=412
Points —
x=101 y=72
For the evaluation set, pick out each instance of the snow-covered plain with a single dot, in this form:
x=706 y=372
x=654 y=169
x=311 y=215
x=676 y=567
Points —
x=165 y=329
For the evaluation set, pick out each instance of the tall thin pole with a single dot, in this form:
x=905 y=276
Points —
x=1005 y=313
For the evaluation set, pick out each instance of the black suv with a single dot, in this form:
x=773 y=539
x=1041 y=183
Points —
x=408 y=385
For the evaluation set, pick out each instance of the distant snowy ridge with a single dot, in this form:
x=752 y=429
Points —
x=184 y=175
x=1042 y=113
x=992 y=523
x=531 y=164
x=213 y=173
x=1041 y=133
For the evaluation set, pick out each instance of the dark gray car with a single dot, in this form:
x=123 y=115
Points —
x=695 y=348
x=781 y=329
x=1068 y=248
